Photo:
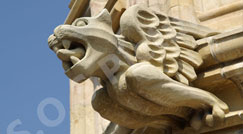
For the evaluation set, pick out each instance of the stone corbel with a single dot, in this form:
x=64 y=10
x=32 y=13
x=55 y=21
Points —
x=234 y=72
x=221 y=48
x=222 y=55
x=233 y=119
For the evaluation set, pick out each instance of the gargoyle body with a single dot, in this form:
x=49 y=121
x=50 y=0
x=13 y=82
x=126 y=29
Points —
x=145 y=72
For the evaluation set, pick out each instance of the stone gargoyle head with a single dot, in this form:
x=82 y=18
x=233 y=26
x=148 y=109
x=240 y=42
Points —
x=81 y=45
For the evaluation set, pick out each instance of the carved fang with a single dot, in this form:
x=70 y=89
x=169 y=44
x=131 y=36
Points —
x=66 y=44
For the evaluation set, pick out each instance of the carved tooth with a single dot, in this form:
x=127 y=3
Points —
x=74 y=59
x=66 y=44
x=55 y=49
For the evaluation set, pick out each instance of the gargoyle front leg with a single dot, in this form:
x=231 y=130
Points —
x=111 y=110
x=152 y=84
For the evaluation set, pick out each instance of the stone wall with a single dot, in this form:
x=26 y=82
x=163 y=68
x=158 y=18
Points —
x=84 y=120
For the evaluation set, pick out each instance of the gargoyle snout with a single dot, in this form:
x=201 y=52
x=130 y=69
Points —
x=53 y=43
x=64 y=31
x=59 y=30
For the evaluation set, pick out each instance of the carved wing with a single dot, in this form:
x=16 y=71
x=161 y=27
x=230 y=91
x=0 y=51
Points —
x=165 y=42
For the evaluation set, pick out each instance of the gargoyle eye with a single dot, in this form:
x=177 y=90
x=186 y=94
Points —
x=81 y=23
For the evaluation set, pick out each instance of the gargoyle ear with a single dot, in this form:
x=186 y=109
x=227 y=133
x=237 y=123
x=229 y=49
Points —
x=104 y=16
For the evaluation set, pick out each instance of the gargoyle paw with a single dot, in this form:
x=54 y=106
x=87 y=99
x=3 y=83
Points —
x=217 y=115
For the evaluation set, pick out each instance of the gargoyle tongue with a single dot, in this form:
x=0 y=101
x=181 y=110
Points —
x=70 y=57
x=74 y=60
x=65 y=54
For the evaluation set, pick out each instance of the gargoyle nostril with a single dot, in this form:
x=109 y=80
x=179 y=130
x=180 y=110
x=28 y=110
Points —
x=51 y=39
x=54 y=43
x=61 y=30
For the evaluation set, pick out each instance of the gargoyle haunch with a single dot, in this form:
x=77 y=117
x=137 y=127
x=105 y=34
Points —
x=145 y=72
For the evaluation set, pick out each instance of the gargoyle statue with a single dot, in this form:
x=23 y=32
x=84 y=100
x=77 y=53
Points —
x=145 y=71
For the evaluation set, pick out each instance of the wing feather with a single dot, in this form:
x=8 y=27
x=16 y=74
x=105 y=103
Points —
x=187 y=70
x=163 y=41
x=172 y=49
x=186 y=41
x=191 y=57
x=195 y=30
x=171 y=66
x=181 y=78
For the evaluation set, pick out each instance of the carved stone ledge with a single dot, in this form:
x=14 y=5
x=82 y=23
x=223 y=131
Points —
x=221 y=75
x=231 y=120
x=234 y=6
x=221 y=48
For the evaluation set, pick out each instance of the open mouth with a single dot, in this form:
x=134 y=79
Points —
x=71 y=53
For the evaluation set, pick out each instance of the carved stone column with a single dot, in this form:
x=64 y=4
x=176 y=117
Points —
x=84 y=120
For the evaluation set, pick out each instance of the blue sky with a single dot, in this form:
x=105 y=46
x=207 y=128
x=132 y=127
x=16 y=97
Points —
x=29 y=71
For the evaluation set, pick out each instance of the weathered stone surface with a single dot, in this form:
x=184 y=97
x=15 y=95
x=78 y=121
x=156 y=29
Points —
x=84 y=120
x=145 y=98
x=222 y=15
